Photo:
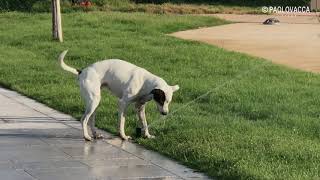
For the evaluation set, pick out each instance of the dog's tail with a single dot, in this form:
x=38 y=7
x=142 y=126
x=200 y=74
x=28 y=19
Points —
x=66 y=67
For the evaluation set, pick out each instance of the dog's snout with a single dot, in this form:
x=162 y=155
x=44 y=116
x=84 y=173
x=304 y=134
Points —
x=164 y=113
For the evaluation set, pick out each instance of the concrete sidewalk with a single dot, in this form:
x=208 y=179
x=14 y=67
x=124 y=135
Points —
x=37 y=142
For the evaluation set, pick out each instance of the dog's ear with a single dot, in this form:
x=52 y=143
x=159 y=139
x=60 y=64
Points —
x=175 y=88
x=159 y=96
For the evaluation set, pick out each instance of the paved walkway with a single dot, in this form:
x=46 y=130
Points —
x=295 y=42
x=37 y=142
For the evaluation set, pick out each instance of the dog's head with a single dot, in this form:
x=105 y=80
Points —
x=163 y=97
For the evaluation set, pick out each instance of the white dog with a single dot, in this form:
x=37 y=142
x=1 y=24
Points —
x=128 y=82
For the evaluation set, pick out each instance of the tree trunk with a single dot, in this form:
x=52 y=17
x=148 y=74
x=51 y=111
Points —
x=56 y=20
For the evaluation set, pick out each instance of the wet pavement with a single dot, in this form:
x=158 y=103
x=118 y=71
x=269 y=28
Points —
x=37 y=142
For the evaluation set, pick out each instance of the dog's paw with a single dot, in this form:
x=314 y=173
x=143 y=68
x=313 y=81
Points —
x=98 y=136
x=126 y=138
x=148 y=136
x=88 y=138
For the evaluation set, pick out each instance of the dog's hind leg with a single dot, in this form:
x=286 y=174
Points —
x=91 y=93
x=90 y=108
x=122 y=110
x=92 y=127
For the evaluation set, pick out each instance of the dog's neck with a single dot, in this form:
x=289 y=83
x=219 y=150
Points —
x=158 y=83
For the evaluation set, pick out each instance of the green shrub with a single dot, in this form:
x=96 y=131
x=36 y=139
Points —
x=99 y=2
x=119 y=3
x=129 y=5
x=17 y=5
x=44 y=5
x=234 y=2
x=41 y=6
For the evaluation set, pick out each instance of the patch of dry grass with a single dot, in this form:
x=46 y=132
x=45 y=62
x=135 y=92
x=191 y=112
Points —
x=130 y=6
x=169 y=8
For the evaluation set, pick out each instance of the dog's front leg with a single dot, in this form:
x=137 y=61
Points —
x=122 y=110
x=141 y=111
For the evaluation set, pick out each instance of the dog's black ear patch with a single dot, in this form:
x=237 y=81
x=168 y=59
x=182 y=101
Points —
x=159 y=96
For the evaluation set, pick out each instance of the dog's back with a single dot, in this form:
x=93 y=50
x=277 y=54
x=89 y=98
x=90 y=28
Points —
x=116 y=74
x=118 y=68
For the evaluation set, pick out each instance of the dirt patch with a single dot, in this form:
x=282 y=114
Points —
x=294 y=45
x=311 y=18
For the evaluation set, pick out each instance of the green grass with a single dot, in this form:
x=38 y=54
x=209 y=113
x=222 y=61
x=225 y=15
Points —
x=262 y=125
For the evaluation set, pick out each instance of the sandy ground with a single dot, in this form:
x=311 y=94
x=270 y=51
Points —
x=295 y=42
x=311 y=18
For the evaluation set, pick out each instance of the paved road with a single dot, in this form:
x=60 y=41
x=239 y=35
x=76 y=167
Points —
x=37 y=142
x=295 y=42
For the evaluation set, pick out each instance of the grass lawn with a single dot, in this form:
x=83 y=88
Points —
x=262 y=125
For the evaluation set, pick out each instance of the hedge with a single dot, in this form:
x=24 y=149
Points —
x=18 y=5
x=44 y=5
x=41 y=5
x=235 y=2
